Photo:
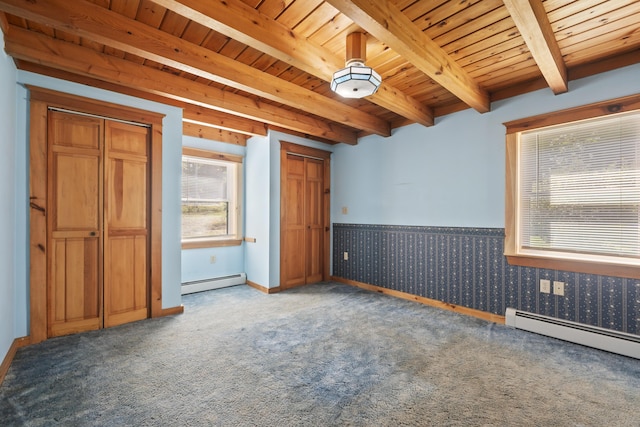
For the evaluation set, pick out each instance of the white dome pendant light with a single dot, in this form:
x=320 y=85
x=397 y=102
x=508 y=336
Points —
x=356 y=80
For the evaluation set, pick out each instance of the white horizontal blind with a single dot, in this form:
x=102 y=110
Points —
x=579 y=188
x=204 y=180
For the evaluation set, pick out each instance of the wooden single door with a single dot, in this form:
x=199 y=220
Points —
x=74 y=223
x=126 y=223
x=304 y=228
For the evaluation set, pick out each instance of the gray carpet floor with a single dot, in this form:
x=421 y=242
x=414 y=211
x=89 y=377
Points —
x=321 y=355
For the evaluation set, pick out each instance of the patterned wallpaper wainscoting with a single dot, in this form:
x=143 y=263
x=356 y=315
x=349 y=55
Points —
x=466 y=266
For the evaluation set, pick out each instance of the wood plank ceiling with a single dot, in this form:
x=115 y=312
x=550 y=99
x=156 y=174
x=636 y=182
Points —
x=241 y=67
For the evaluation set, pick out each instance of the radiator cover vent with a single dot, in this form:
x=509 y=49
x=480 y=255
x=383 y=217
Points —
x=579 y=333
x=216 y=283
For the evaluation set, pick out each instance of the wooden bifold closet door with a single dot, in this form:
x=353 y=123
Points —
x=98 y=225
x=304 y=217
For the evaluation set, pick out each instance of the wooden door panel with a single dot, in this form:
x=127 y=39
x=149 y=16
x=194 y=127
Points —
x=127 y=194
x=294 y=261
x=315 y=255
x=295 y=165
x=58 y=292
x=75 y=300
x=81 y=279
x=119 y=294
x=314 y=169
x=76 y=203
x=295 y=209
x=127 y=138
x=126 y=293
x=314 y=204
x=73 y=130
x=141 y=289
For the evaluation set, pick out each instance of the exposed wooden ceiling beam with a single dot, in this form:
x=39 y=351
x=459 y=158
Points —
x=208 y=132
x=4 y=24
x=240 y=22
x=533 y=23
x=194 y=113
x=85 y=19
x=40 y=49
x=389 y=25
x=223 y=121
x=300 y=134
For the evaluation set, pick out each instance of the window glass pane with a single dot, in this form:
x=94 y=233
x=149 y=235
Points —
x=208 y=197
x=580 y=187
x=205 y=219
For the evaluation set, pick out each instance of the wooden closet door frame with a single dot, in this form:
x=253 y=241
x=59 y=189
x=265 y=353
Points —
x=301 y=150
x=40 y=102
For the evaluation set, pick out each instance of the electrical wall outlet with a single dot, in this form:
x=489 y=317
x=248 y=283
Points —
x=345 y=256
x=345 y=210
x=558 y=288
x=545 y=286
x=212 y=259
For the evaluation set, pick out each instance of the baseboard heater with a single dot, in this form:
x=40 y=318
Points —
x=591 y=336
x=209 y=284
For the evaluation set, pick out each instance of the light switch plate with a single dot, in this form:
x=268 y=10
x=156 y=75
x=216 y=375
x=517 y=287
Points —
x=545 y=286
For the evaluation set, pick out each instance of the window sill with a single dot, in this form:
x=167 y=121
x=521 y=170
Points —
x=588 y=267
x=210 y=243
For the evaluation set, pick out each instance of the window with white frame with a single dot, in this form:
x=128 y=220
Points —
x=211 y=195
x=576 y=191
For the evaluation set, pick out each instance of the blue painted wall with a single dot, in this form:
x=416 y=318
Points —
x=452 y=175
x=9 y=258
x=423 y=176
x=257 y=194
x=274 y=209
x=196 y=263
